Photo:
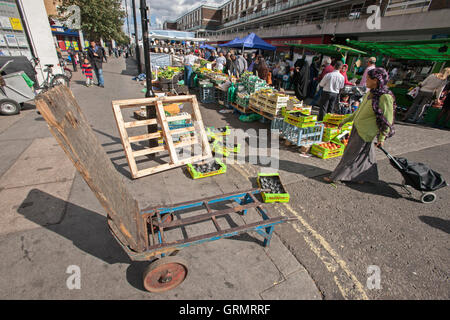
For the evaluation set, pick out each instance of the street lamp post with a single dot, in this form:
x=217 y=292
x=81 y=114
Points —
x=150 y=110
x=138 y=54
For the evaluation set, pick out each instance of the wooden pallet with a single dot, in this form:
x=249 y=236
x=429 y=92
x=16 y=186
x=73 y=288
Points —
x=262 y=113
x=199 y=136
x=240 y=108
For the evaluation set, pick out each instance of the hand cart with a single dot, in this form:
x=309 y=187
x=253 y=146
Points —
x=143 y=234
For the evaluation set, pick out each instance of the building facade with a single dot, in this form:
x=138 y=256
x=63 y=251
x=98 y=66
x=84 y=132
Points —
x=320 y=21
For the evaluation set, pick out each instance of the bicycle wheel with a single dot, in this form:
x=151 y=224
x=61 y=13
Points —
x=68 y=73
x=60 y=79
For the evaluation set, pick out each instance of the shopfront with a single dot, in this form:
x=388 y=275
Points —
x=13 y=38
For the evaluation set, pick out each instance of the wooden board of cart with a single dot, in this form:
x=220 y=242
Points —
x=194 y=129
x=74 y=134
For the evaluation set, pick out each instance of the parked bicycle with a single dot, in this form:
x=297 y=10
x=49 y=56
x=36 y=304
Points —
x=67 y=71
x=52 y=79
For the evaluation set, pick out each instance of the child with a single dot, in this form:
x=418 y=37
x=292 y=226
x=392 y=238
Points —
x=87 y=70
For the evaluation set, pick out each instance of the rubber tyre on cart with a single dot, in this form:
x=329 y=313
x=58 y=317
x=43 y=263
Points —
x=165 y=274
x=428 y=197
x=60 y=79
x=9 y=107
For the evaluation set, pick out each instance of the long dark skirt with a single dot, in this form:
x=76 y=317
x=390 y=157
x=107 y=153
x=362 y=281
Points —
x=358 y=162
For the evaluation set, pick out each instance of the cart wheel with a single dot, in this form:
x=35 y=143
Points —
x=9 y=107
x=165 y=274
x=428 y=197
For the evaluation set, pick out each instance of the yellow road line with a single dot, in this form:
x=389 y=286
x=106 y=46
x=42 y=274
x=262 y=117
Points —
x=349 y=287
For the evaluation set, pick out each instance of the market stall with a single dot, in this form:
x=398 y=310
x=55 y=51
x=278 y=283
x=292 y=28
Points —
x=412 y=61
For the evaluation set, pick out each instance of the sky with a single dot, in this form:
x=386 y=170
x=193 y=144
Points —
x=161 y=10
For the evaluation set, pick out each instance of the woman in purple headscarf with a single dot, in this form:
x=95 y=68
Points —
x=373 y=119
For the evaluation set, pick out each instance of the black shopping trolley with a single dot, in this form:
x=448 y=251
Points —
x=419 y=176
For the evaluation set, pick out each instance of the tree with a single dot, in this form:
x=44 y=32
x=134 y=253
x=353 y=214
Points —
x=99 y=18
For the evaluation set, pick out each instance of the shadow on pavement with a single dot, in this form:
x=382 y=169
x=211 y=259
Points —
x=87 y=230
x=437 y=223
x=131 y=68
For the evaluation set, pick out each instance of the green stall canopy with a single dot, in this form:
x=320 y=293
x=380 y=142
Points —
x=432 y=50
x=330 y=49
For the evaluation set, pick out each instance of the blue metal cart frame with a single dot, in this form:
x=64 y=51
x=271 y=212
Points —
x=160 y=219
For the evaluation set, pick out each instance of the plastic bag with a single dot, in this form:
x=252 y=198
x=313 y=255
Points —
x=413 y=92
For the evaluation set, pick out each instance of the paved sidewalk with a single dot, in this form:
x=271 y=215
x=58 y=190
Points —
x=51 y=219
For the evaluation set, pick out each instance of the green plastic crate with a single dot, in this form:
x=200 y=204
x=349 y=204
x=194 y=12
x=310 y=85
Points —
x=273 y=197
x=324 y=153
x=198 y=175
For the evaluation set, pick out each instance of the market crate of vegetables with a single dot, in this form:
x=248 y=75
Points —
x=272 y=182
x=206 y=169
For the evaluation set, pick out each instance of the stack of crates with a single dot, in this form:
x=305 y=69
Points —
x=207 y=92
x=298 y=119
x=302 y=136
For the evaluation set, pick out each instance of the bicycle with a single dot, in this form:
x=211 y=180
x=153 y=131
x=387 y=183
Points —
x=51 y=80
x=67 y=71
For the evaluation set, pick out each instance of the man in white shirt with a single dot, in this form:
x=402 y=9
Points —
x=220 y=61
x=188 y=61
x=332 y=83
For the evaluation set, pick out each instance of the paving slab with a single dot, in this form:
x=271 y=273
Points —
x=297 y=286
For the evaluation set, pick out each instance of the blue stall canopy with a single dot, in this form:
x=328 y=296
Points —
x=252 y=41
x=207 y=46
x=232 y=43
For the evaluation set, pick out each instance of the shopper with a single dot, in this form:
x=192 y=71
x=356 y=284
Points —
x=220 y=62
x=331 y=84
x=104 y=53
x=430 y=87
x=86 y=68
x=301 y=79
x=238 y=65
x=344 y=73
x=95 y=55
x=212 y=57
x=326 y=69
x=228 y=64
x=71 y=52
x=370 y=66
x=445 y=112
x=189 y=61
x=313 y=76
x=263 y=70
x=373 y=119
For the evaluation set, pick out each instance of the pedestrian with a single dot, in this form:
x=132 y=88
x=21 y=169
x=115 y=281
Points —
x=189 y=61
x=95 y=55
x=220 y=62
x=72 y=58
x=104 y=53
x=373 y=119
x=207 y=54
x=430 y=87
x=327 y=68
x=86 y=68
x=212 y=57
x=263 y=71
x=238 y=65
x=300 y=79
x=370 y=66
x=344 y=73
x=445 y=112
x=313 y=76
x=228 y=64
x=331 y=84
